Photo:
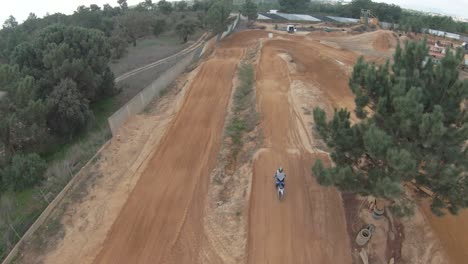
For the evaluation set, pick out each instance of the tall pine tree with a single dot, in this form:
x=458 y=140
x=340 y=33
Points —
x=413 y=128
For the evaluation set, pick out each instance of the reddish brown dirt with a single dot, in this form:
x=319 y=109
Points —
x=309 y=226
x=452 y=232
x=162 y=221
x=384 y=41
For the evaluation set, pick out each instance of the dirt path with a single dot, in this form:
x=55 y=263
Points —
x=309 y=225
x=162 y=219
x=452 y=232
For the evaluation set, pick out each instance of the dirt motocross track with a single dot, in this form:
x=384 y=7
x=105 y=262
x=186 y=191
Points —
x=309 y=225
x=162 y=221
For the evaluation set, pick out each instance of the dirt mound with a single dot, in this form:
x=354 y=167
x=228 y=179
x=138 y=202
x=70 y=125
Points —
x=384 y=41
x=321 y=33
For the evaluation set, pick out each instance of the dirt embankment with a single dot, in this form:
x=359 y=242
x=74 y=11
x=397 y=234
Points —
x=384 y=41
x=372 y=45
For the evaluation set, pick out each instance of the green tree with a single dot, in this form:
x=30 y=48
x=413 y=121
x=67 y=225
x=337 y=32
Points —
x=119 y=43
x=203 y=6
x=60 y=52
x=181 y=6
x=186 y=28
x=293 y=5
x=249 y=9
x=217 y=16
x=165 y=7
x=123 y=4
x=24 y=171
x=68 y=110
x=23 y=117
x=136 y=24
x=159 y=26
x=10 y=22
x=417 y=130
x=149 y=5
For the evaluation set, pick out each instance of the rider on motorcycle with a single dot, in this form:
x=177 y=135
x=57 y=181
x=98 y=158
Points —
x=279 y=177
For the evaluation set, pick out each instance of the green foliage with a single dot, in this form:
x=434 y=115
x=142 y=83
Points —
x=10 y=23
x=415 y=22
x=123 y=4
x=217 y=16
x=22 y=122
x=203 y=6
x=240 y=123
x=49 y=82
x=68 y=110
x=249 y=9
x=165 y=7
x=24 y=171
x=180 y=6
x=159 y=25
x=293 y=5
x=135 y=24
x=417 y=130
x=61 y=52
x=403 y=208
x=118 y=43
x=186 y=28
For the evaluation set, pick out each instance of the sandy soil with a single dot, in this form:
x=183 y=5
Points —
x=162 y=221
x=452 y=232
x=421 y=245
x=376 y=44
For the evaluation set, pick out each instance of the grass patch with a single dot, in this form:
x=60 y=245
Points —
x=240 y=124
x=160 y=40
x=163 y=92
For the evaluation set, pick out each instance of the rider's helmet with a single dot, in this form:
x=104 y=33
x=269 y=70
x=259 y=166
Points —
x=280 y=169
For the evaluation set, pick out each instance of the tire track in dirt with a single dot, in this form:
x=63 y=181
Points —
x=309 y=225
x=162 y=221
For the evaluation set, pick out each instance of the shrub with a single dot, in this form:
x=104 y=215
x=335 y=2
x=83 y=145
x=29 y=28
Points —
x=159 y=25
x=24 y=171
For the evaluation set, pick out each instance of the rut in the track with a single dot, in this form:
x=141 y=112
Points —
x=162 y=221
x=309 y=225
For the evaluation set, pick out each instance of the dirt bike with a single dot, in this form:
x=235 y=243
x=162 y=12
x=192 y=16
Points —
x=280 y=190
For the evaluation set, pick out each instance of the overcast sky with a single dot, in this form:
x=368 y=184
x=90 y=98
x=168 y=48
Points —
x=449 y=7
x=21 y=8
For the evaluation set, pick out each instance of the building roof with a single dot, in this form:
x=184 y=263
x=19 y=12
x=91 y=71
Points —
x=2 y=94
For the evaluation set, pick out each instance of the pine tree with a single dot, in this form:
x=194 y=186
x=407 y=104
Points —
x=249 y=9
x=413 y=128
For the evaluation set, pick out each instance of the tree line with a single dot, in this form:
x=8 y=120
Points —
x=56 y=67
x=413 y=129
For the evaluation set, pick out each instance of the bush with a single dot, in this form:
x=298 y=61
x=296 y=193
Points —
x=24 y=171
x=403 y=208
x=119 y=45
x=159 y=25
